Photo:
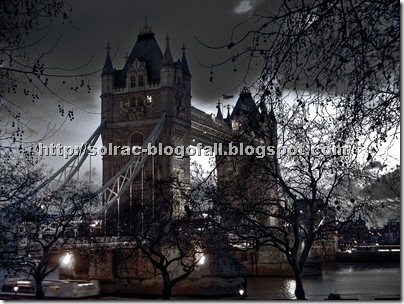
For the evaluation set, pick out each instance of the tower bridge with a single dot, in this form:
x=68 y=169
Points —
x=149 y=86
x=148 y=101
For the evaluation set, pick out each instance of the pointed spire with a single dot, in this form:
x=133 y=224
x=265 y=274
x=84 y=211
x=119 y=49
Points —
x=146 y=29
x=228 y=113
x=108 y=69
x=219 y=114
x=184 y=63
x=167 y=58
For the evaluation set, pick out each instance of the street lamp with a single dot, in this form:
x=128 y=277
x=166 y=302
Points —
x=15 y=291
x=241 y=292
x=67 y=259
x=201 y=260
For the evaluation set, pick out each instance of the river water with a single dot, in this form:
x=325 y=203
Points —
x=351 y=281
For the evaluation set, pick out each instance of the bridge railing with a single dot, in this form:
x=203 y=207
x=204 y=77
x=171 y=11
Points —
x=68 y=170
x=203 y=118
x=120 y=182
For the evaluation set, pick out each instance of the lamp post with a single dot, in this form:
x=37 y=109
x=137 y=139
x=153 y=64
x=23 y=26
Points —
x=67 y=259
x=241 y=292
x=15 y=291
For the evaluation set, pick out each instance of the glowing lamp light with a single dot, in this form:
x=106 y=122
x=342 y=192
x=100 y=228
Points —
x=241 y=292
x=202 y=260
x=67 y=258
x=15 y=288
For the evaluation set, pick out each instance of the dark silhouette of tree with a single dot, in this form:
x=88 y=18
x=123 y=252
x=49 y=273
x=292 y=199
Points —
x=24 y=73
x=293 y=200
x=168 y=236
x=38 y=229
x=336 y=56
x=383 y=189
x=20 y=173
x=326 y=74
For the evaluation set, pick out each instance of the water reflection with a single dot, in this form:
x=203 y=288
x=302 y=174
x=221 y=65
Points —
x=355 y=281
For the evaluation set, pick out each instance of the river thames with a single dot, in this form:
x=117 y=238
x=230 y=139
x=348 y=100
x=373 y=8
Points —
x=359 y=281
x=351 y=281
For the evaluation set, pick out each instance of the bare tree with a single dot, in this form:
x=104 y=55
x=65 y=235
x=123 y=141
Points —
x=20 y=173
x=297 y=188
x=168 y=235
x=383 y=189
x=326 y=74
x=39 y=229
x=343 y=55
x=25 y=46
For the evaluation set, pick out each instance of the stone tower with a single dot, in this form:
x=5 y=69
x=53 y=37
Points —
x=134 y=99
x=255 y=126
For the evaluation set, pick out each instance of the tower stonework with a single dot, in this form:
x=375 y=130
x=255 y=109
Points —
x=133 y=101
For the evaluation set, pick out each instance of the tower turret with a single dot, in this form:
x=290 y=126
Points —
x=107 y=75
x=219 y=115
x=167 y=72
x=185 y=72
x=245 y=112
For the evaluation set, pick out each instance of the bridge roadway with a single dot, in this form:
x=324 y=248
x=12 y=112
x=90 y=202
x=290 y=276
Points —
x=205 y=129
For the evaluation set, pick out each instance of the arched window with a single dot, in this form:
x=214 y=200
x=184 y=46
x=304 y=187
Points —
x=136 y=139
x=132 y=81
x=140 y=81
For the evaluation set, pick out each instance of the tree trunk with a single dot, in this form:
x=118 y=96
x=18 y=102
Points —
x=299 y=291
x=166 y=289
x=39 y=293
x=166 y=292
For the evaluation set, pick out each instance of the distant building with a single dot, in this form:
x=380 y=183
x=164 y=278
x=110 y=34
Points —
x=389 y=234
x=353 y=234
x=356 y=233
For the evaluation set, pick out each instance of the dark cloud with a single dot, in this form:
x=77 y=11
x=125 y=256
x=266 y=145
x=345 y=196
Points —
x=374 y=165
x=80 y=48
x=97 y=23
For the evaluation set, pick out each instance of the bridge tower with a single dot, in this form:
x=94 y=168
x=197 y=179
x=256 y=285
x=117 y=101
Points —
x=133 y=99
x=255 y=126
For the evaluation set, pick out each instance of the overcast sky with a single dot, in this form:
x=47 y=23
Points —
x=98 y=22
